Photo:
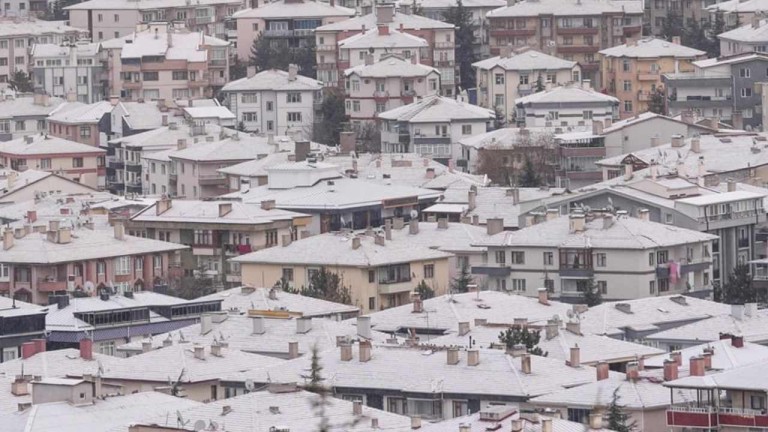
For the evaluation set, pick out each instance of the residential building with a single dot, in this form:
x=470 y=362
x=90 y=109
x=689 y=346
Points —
x=626 y=257
x=515 y=73
x=439 y=53
x=94 y=208
x=478 y=9
x=23 y=115
x=564 y=106
x=218 y=115
x=432 y=127
x=373 y=44
x=105 y=19
x=83 y=123
x=735 y=12
x=379 y=272
x=110 y=320
x=274 y=102
x=632 y=71
x=505 y=420
x=43 y=261
x=72 y=71
x=393 y=81
x=646 y=130
x=19 y=35
x=745 y=39
x=723 y=89
x=574 y=30
x=79 y=162
x=21 y=323
x=216 y=231
x=32 y=184
x=727 y=351
x=158 y=61
x=287 y=24
x=659 y=12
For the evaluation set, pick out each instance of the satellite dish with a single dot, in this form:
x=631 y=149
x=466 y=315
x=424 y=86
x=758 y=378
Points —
x=569 y=313
x=249 y=385
x=199 y=425
x=414 y=214
x=88 y=286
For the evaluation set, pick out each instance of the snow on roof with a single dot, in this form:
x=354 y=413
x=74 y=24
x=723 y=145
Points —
x=624 y=233
x=336 y=249
x=86 y=244
x=725 y=355
x=740 y=6
x=432 y=109
x=527 y=60
x=720 y=198
x=748 y=377
x=652 y=48
x=55 y=50
x=566 y=94
x=78 y=112
x=752 y=328
x=228 y=149
x=447 y=208
x=208 y=212
x=476 y=423
x=145 y=4
x=29 y=177
x=748 y=33
x=56 y=364
x=392 y=66
x=242 y=299
x=567 y=8
x=509 y=138
x=408 y=21
x=166 y=137
x=219 y=112
x=15 y=27
x=374 y=39
x=642 y=394
x=47 y=145
x=734 y=59
x=301 y=9
x=274 y=80
x=25 y=106
x=189 y=46
x=445 y=4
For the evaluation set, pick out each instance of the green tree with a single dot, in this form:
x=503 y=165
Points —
x=672 y=27
x=327 y=130
x=461 y=283
x=314 y=378
x=500 y=120
x=618 y=420
x=265 y=56
x=241 y=126
x=529 y=177
x=591 y=296
x=657 y=104
x=540 y=84
x=521 y=335
x=739 y=289
x=325 y=285
x=424 y=291
x=22 y=82
x=192 y=287
x=461 y=17
x=417 y=9
x=237 y=69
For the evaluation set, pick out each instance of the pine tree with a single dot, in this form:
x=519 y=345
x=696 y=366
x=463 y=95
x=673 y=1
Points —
x=591 y=296
x=540 y=84
x=315 y=378
x=657 y=104
x=424 y=291
x=461 y=283
x=529 y=178
x=22 y=82
x=461 y=17
x=500 y=120
x=334 y=115
x=673 y=26
x=325 y=285
x=618 y=420
x=237 y=69
x=241 y=126
x=521 y=335
x=265 y=56
x=739 y=289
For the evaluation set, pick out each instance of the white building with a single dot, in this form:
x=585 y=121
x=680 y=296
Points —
x=73 y=71
x=566 y=106
x=379 y=41
x=274 y=101
x=432 y=126
x=393 y=81
x=24 y=115
x=627 y=258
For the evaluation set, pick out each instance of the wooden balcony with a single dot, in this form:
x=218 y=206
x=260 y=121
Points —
x=576 y=49
x=577 y=31
x=512 y=32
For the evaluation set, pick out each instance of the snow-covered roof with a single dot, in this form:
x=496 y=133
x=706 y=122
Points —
x=301 y=9
x=47 y=145
x=208 y=212
x=25 y=106
x=734 y=59
x=391 y=67
x=275 y=80
x=189 y=46
x=745 y=378
x=145 y=4
x=724 y=354
x=527 y=60
x=219 y=112
x=566 y=95
x=748 y=33
x=437 y=109
x=29 y=177
x=78 y=112
x=752 y=328
x=740 y=6
x=14 y=27
x=228 y=149
x=55 y=50
x=408 y=21
x=166 y=137
x=56 y=364
x=445 y=4
x=652 y=48
x=244 y=298
x=530 y=423
x=639 y=118
x=567 y=8
x=374 y=39
x=642 y=394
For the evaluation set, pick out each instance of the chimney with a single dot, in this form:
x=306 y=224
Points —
x=452 y=356
x=473 y=357
x=293 y=70
x=517 y=350
x=268 y=204
x=670 y=370
x=206 y=324
x=575 y=360
x=737 y=341
x=731 y=185
x=601 y=368
x=418 y=305
x=755 y=21
x=164 y=119
x=86 y=349
x=199 y=352
x=494 y=226
x=383 y=30
x=146 y=346
x=607 y=221
x=543 y=297
x=475 y=219
x=737 y=120
x=364 y=327
x=595 y=421
x=546 y=425
x=597 y=127
x=365 y=351
x=293 y=350
x=628 y=172
x=442 y=223
x=644 y=214
x=708 y=353
x=633 y=371
x=515 y=196
x=356 y=241
x=552 y=214
x=415 y=423
x=286 y=240
x=357 y=408
x=750 y=309
x=303 y=325
x=463 y=328
x=678 y=141
x=384 y=13
x=608 y=122
x=737 y=312
x=388 y=229
x=167 y=341
x=697 y=366
x=577 y=223
x=379 y=240
x=346 y=351
x=413 y=226
x=258 y=325
x=552 y=329
x=525 y=363
x=31 y=216
x=471 y=199
x=301 y=150
x=119 y=230
x=27 y=349
x=7 y=239
x=676 y=40
x=677 y=356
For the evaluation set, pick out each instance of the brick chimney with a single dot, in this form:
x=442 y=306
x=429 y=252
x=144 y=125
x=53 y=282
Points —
x=525 y=363
x=365 y=351
x=697 y=366
x=575 y=357
x=633 y=371
x=27 y=349
x=670 y=370
x=708 y=353
x=677 y=356
x=737 y=341
x=543 y=297
x=345 y=351
x=86 y=349
x=494 y=225
x=601 y=368
x=418 y=305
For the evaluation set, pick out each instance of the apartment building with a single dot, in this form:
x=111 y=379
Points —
x=25 y=114
x=22 y=322
x=752 y=37
x=432 y=127
x=393 y=81
x=106 y=19
x=632 y=71
x=736 y=11
x=573 y=30
x=19 y=35
x=515 y=73
x=83 y=123
x=478 y=10
x=626 y=257
x=44 y=261
x=73 y=71
x=216 y=231
x=79 y=162
x=438 y=53
x=566 y=106
x=501 y=154
x=646 y=130
x=274 y=102
x=159 y=61
x=30 y=184
x=285 y=23
x=378 y=42
x=660 y=11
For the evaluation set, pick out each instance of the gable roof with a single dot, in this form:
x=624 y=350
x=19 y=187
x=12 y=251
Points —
x=437 y=109
x=652 y=48
x=294 y=10
x=392 y=66
x=568 y=8
x=273 y=79
x=374 y=39
x=244 y=298
x=528 y=60
x=566 y=94
x=47 y=145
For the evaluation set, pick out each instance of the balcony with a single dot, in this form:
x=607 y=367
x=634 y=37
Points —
x=492 y=271
x=212 y=180
x=630 y=30
x=711 y=417
x=132 y=85
x=115 y=164
x=419 y=139
x=577 y=31
x=325 y=48
x=513 y=32
x=395 y=287
x=45 y=285
x=701 y=102
x=577 y=49
x=443 y=64
x=217 y=63
x=197 y=83
x=644 y=96
x=326 y=66
x=577 y=272
x=380 y=95
x=648 y=76
x=278 y=33
x=133 y=166
x=444 y=45
x=173 y=177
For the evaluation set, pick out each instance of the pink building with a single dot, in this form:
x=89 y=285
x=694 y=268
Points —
x=81 y=122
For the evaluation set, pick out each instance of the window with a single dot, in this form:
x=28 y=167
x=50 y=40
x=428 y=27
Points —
x=746 y=92
x=371 y=276
x=123 y=265
x=85 y=131
x=150 y=76
x=356 y=106
x=270 y=125
x=501 y=257
x=627 y=85
x=45 y=163
x=19 y=60
x=294 y=116
x=250 y=117
x=394 y=273
x=549 y=258
x=757 y=402
x=625 y=65
x=662 y=257
x=578 y=415
x=381 y=107
x=518 y=285
x=293 y=97
x=77 y=162
x=429 y=271
x=372 y=303
x=744 y=73
x=517 y=257
x=524 y=79
x=553 y=115
x=600 y=259
x=288 y=274
x=602 y=286
x=117 y=18
x=271 y=237
x=180 y=75
x=589 y=40
x=663 y=285
x=255 y=27
x=107 y=348
x=567 y=40
x=628 y=106
x=20 y=125
x=433 y=84
x=462 y=262
x=586 y=115
x=499 y=78
x=466 y=129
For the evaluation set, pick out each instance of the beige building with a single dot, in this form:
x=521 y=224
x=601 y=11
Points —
x=632 y=72
x=32 y=184
x=381 y=270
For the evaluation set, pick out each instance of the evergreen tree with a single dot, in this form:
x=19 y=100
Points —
x=325 y=285
x=461 y=283
x=315 y=378
x=22 y=82
x=417 y=9
x=657 y=104
x=529 y=178
x=424 y=291
x=461 y=17
x=237 y=69
x=540 y=84
x=673 y=26
x=241 y=126
x=500 y=120
x=591 y=296
x=265 y=56
x=618 y=420
x=327 y=130
x=521 y=335
x=696 y=35
x=739 y=289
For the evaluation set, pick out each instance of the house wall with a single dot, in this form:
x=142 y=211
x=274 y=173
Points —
x=427 y=85
x=247 y=33
x=568 y=114
x=84 y=133
x=274 y=121
x=104 y=24
x=90 y=174
x=638 y=137
x=49 y=185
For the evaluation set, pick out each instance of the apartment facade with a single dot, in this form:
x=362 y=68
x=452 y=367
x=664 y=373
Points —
x=745 y=39
x=564 y=107
x=626 y=257
x=158 y=61
x=288 y=24
x=478 y=10
x=74 y=71
x=275 y=102
x=513 y=74
x=439 y=53
x=24 y=115
x=83 y=123
x=632 y=72
x=573 y=31
x=660 y=11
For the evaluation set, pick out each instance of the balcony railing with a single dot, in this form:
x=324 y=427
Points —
x=212 y=180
